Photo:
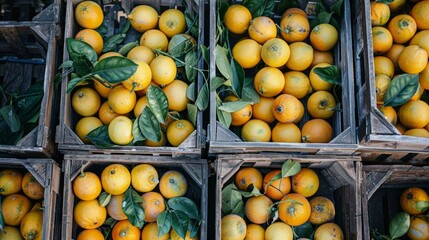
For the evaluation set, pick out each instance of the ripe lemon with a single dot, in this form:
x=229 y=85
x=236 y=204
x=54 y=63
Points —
x=413 y=59
x=173 y=184
x=262 y=29
x=294 y=27
x=115 y=209
x=106 y=113
x=10 y=233
x=153 y=205
x=141 y=54
x=247 y=53
x=140 y=105
x=296 y=84
x=89 y=14
x=275 y=52
x=382 y=40
x=89 y=214
x=417 y=132
x=383 y=65
x=424 y=78
x=14 y=207
x=279 y=231
x=86 y=102
x=269 y=82
x=143 y=18
x=322 y=57
x=237 y=18
x=121 y=130
x=420 y=13
x=422 y=40
x=317 y=131
x=286 y=132
x=317 y=83
x=389 y=113
x=402 y=27
x=382 y=82
x=176 y=95
x=92 y=37
x=301 y=56
x=163 y=70
x=121 y=100
x=10 y=182
x=323 y=37
x=414 y=114
x=328 y=231
x=140 y=79
x=380 y=13
x=178 y=131
x=85 y=125
x=233 y=227
x=102 y=90
x=150 y=231
x=287 y=109
x=393 y=54
x=256 y=130
x=321 y=104
x=155 y=40
x=87 y=186
x=172 y=22
x=32 y=225
x=262 y=110
x=115 y=179
x=160 y=143
x=90 y=234
x=144 y=177
x=241 y=116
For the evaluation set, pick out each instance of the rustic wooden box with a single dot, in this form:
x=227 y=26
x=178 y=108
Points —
x=196 y=173
x=30 y=10
x=375 y=133
x=48 y=174
x=69 y=142
x=223 y=140
x=382 y=186
x=339 y=180
x=29 y=52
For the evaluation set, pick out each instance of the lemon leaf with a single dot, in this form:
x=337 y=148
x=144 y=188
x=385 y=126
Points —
x=286 y=4
x=224 y=117
x=104 y=199
x=232 y=201
x=330 y=74
x=304 y=230
x=399 y=225
x=11 y=118
x=179 y=222
x=190 y=92
x=100 y=137
x=164 y=223
x=384 y=1
x=150 y=126
x=185 y=205
x=115 y=69
x=137 y=134
x=259 y=8
x=77 y=49
x=82 y=66
x=111 y=42
x=290 y=168
x=191 y=63
x=250 y=191
x=222 y=62
x=401 y=89
x=206 y=54
x=422 y=205
x=193 y=227
x=215 y=83
x=231 y=107
x=192 y=113
x=127 y=47
x=180 y=45
x=248 y=93
x=237 y=76
x=158 y=103
x=337 y=7
x=132 y=207
x=203 y=97
x=66 y=64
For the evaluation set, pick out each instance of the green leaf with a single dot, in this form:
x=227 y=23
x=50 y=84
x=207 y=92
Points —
x=115 y=69
x=109 y=222
x=111 y=42
x=251 y=191
x=233 y=106
x=215 y=83
x=66 y=64
x=401 y=89
x=222 y=7
x=131 y=205
x=34 y=118
x=290 y=168
x=77 y=49
x=284 y=5
x=158 y=103
x=137 y=134
x=224 y=117
x=330 y=74
x=9 y=115
x=82 y=66
x=324 y=17
x=203 y=97
x=206 y=54
x=337 y=8
x=269 y=8
x=180 y=45
x=191 y=64
x=399 y=225
x=74 y=82
x=237 y=76
x=150 y=126
x=222 y=62
x=127 y=47
x=190 y=92
x=179 y=222
x=100 y=137
x=384 y=1
x=304 y=230
x=164 y=223
x=230 y=199
x=249 y=93
x=192 y=113
x=192 y=23
x=193 y=228
x=259 y=8
x=422 y=206
x=103 y=29
x=320 y=7
x=126 y=27
x=185 y=205
x=104 y=199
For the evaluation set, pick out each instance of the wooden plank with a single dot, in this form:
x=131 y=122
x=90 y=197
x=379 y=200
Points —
x=13 y=38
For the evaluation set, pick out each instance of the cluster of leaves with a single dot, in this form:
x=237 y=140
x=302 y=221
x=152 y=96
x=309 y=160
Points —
x=231 y=77
x=232 y=198
x=21 y=110
x=84 y=68
x=181 y=214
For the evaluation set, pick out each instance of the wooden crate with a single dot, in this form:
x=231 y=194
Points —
x=374 y=131
x=28 y=54
x=196 y=173
x=68 y=141
x=223 y=140
x=48 y=174
x=42 y=11
x=339 y=181
x=382 y=186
